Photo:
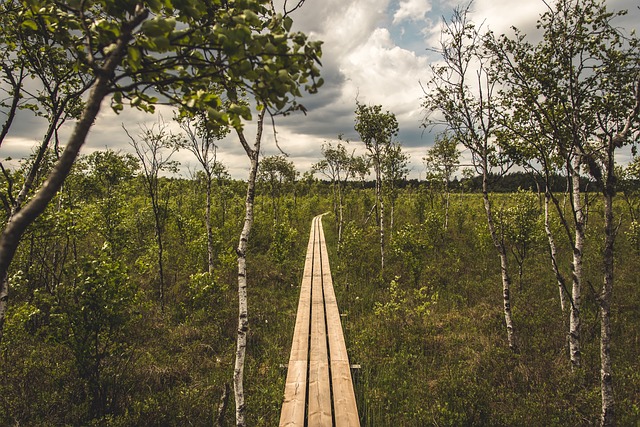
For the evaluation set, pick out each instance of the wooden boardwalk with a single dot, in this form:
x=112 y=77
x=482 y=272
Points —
x=319 y=389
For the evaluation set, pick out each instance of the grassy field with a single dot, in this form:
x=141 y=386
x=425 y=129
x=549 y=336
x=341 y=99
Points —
x=86 y=341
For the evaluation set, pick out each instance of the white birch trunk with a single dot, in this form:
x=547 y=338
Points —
x=446 y=210
x=576 y=267
x=340 y=215
x=243 y=312
x=606 y=372
x=553 y=254
x=380 y=206
x=392 y=215
x=446 y=205
x=504 y=266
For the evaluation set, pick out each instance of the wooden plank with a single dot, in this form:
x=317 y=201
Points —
x=344 y=401
x=293 y=408
x=319 y=383
x=319 y=373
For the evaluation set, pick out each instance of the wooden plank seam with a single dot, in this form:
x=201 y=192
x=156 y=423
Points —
x=319 y=388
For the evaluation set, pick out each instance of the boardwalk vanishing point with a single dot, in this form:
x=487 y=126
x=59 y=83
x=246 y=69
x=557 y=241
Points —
x=319 y=390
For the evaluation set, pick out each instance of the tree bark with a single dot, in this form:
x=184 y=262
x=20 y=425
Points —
x=222 y=406
x=504 y=265
x=392 y=220
x=380 y=208
x=16 y=85
x=210 y=260
x=576 y=267
x=610 y=231
x=243 y=316
x=381 y=235
x=553 y=253
x=606 y=373
x=446 y=205
x=340 y=214
x=159 y=227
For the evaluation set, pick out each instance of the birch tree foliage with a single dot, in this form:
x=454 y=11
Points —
x=146 y=52
x=37 y=76
x=339 y=166
x=377 y=130
x=580 y=88
x=177 y=48
x=394 y=170
x=442 y=161
x=277 y=174
x=461 y=96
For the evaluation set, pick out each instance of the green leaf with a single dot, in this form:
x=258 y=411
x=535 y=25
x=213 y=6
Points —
x=287 y=22
x=133 y=57
x=155 y=5
x=28 y=23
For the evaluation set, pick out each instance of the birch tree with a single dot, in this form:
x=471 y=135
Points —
x=200 y=140
x=377 y=130
x=460 y=95
x=442 y=161
x=536 y=79
x=338 y=165
x=276 y=173
x=154 y=147
x=253 y=153
x=53 y=94
x=579 y=88
x=395 y=170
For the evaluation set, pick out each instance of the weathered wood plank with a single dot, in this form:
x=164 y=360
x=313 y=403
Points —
x=319 y=375
x=344 y=401
x=293 y=408
x=319 y=382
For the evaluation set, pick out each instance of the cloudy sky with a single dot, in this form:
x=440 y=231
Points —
x=375 y=51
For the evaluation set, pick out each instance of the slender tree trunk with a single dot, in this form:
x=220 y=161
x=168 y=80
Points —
x=576 y=267
x=55 y=123
x=381 y=235
x=16 y=86
x=334 y=192
x=553 y=253
x=223 y=203
x=158 y=230
x=446 y=205
x=243 y=313
x=243 y=316
x=208 y=226
x=380 y=204
x=222 y=406
x=340 y=214
x=275 y=210
x=606 y=373
x=610 y=231
x=504 y=266
x=392 y=221
x=13 y=230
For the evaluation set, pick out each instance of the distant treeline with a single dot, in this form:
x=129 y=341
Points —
x=507 y=183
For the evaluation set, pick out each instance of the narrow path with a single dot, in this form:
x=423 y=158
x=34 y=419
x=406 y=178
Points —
x=319 y=389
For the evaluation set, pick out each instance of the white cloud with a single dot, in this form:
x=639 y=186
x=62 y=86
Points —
x=412 y=10
x=384 y=73
x=500 y=15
